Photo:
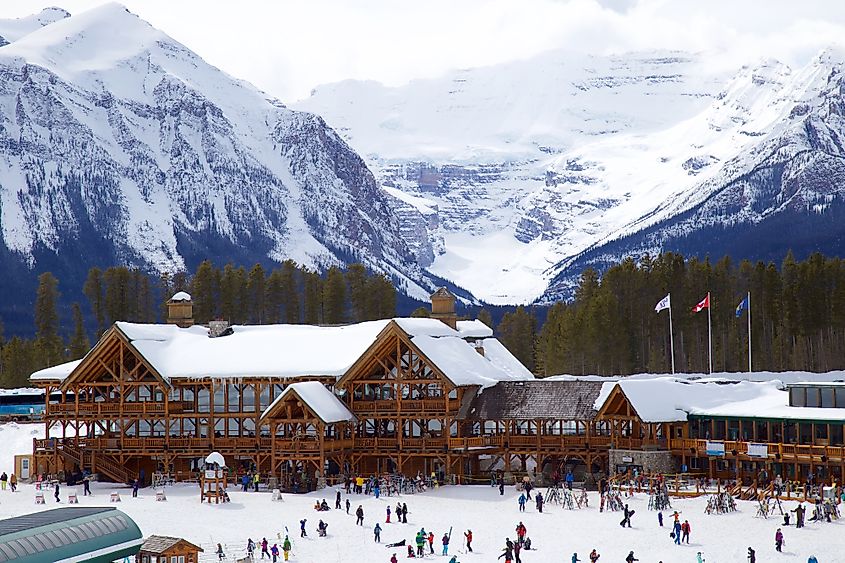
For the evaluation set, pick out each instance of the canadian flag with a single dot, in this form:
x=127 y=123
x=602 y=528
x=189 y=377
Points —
x=703 y=304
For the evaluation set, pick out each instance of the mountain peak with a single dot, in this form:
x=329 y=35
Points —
x=13 y=29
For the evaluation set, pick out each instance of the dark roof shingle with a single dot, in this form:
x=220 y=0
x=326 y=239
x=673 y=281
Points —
x=538 y=399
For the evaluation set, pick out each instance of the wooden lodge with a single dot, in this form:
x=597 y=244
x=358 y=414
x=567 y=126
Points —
x=166 y=549
x=302 y=405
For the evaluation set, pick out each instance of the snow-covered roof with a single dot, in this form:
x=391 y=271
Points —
x=474 y=329
x=216 y=457
x=673 y=399
x=307 y=350
x=181 y=296
x=58 y=372
x=252 y=351
x=319 y=399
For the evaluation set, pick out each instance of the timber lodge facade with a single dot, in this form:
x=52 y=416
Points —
x=437 y=394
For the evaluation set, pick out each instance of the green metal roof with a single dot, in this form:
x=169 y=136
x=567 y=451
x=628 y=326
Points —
x=69 y=535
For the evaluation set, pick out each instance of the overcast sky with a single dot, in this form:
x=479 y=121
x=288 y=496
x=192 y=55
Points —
x=287 y=47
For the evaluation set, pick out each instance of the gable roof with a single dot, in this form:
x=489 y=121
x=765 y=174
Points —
x=160 y=544
x=284 y=351
x=316 y=396
x=536 y=399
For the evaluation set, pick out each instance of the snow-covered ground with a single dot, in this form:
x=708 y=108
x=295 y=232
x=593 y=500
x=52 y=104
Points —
x=557 y=532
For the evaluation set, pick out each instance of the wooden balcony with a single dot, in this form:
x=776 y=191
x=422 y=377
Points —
x=416 y=406
x=91 y=409
x=791 y=452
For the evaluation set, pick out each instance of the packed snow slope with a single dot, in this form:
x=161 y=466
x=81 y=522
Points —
x=515 y=177
x=120 y=145
x=557 y=533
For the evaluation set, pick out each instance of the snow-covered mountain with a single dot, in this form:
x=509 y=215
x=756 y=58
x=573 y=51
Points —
x=534 y=168
x=119 y=144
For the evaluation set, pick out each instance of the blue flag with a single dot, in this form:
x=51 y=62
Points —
x=742 y=305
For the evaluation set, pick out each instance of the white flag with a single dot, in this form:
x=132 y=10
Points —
x=664 y=304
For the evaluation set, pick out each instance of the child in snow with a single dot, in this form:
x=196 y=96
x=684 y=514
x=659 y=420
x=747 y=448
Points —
x=220 y=554
x=522 y=502
x=302 y=532
x=778 y=540
x=411 y=552
x=699 y=558
x=594 y=556
x=377 y=533
x=630 y=558
x=286 y=548
x=393 y=559
x=274 y=551
x=575 y=558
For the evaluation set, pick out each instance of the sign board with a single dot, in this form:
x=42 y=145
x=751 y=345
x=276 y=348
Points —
x=758 y=450
x=213 y=474
x=715 y=448
x=627 y=459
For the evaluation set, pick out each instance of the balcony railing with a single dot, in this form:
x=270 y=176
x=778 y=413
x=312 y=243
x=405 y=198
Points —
x=103 y=408
x=405 y=405
x=785 y=451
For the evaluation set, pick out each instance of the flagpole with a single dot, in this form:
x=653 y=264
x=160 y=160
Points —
x=709 y=334
x=748 y=297
x=671 y=335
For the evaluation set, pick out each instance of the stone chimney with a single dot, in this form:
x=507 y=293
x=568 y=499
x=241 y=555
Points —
x=443 y=307
x=219 y=328
x=180 y=310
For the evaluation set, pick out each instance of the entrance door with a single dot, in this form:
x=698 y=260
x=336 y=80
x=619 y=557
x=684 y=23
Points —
x=25 y=468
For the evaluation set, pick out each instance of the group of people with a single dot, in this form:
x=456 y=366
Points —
x=10 y=480
x=269 y=551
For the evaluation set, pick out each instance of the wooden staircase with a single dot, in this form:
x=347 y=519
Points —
x=99 y=463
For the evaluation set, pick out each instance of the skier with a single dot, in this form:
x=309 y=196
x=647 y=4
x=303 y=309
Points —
x=779 y=540
x=522 y=502
x=430 y=539
x=404 y=513
x=359 y=515
x=660 y=519
x=468 y=536
x=302 y=532
x=337 y=500
x=286 y=548
x=507 y=553
x=264 y=548
x=321 y=529
x=539 y=503
x=220 y=555
x=594 y=556
x=685 y=530
x=377 y=533
x=631 y=558
x=520 y=532
x=575 y=558
x=445 y=542
x=676 y=533
x=799 y=515
x=274 y=552
x=420 y=541
x=250 y=547
x=348 y=504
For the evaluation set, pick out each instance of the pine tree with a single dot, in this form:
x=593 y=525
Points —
x=362 y=306
x=485 y=317
x=517 y=331
x=290 y=296
x=93 y=290
x=204 y=293
x=380 y=298
x=334 y=297
x=313 y=289
x=421 y=313
x=256 y=294
x=50 y=346
x=79 y=344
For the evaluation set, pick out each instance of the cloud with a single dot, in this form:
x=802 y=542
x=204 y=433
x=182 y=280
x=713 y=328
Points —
x=288 y=47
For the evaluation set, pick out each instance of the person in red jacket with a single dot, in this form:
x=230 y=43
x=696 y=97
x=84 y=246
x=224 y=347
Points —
x=685 y=530
x=468 y=536
x=393 y=559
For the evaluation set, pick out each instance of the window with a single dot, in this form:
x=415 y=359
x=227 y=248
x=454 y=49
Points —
x=813 y=397
x=827 y=397
x=796 y=397
x=174 y=559
x=821 y=431
x=840 y=397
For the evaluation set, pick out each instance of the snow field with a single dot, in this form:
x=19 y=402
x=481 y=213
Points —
x=556 y=533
